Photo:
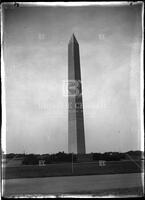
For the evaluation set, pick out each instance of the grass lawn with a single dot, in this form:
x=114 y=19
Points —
x=65 y=169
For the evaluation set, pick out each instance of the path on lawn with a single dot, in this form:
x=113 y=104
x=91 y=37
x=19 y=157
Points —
x=71 y=184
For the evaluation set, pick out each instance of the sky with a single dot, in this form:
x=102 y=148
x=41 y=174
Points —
x=36 y=68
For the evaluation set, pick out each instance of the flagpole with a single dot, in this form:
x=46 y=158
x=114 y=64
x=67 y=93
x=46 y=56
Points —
x=72 y=164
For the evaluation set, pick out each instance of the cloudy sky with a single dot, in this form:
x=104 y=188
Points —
x=35 y=61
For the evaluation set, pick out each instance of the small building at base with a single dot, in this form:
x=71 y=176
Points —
x=42 y=163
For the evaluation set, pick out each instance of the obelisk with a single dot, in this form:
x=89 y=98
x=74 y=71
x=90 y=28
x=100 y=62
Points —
x=76 y=135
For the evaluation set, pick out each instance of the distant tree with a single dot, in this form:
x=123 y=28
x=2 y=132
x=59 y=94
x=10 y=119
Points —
x=30 y=159
x=47 y=158
x=10 y=155
x=97 y=156
x=108 y=156
x=134 y=154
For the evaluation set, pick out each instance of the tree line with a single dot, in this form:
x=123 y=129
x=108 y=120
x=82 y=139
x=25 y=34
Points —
x=33 y=159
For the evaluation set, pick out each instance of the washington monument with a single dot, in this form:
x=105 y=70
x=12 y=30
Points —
x=76 y=135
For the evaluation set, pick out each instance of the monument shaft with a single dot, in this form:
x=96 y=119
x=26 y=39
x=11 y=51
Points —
x=76 y=136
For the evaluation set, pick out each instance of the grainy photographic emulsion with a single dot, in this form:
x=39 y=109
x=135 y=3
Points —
x=72 y=99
